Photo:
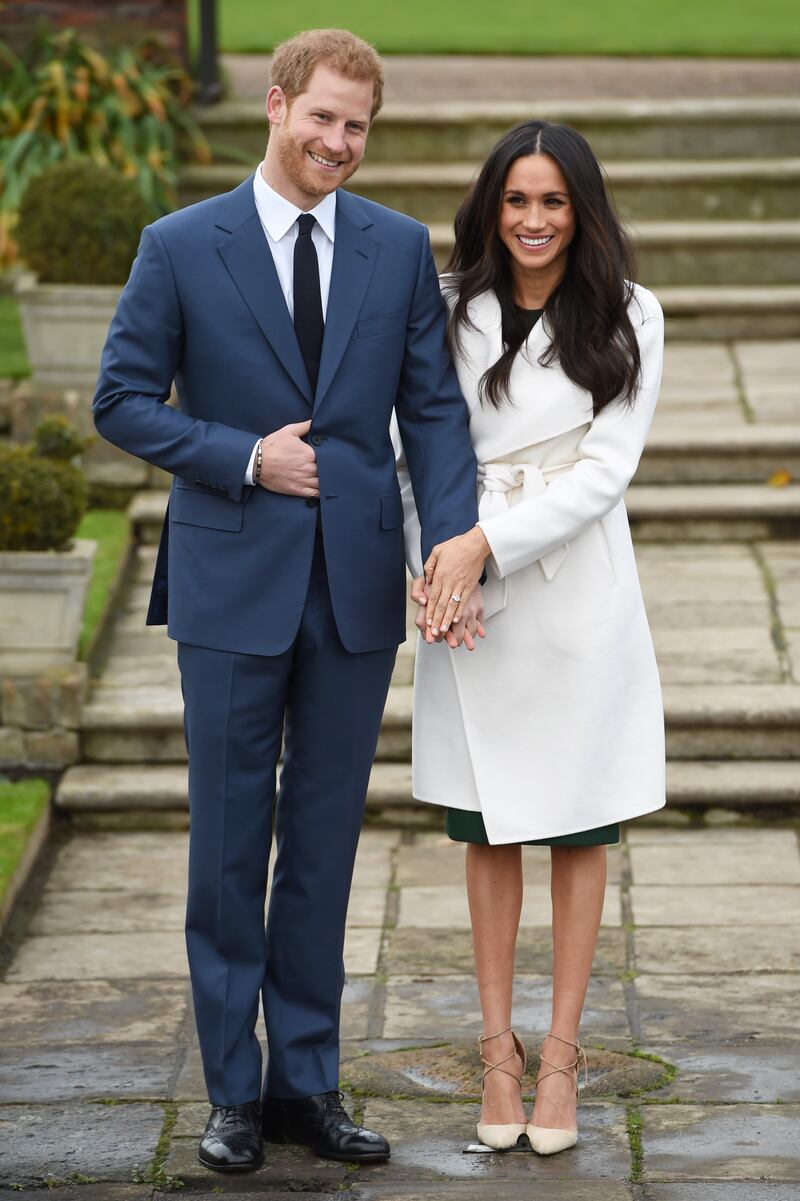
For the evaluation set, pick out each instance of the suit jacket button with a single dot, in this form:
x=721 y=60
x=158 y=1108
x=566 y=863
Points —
x=317 y=439
x=312 y=502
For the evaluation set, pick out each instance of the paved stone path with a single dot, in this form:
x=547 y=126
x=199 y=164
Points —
x=434 y=78
x=698 y=963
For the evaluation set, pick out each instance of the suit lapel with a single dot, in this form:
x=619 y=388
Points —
x=247 y=256
x=354 y=255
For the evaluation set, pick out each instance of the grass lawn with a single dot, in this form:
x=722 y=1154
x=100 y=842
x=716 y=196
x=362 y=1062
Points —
x=110 y=528
x=682 y=27
x=21 y=806
x=13 y=361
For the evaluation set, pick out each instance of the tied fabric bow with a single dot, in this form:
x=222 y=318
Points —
x=496 y=481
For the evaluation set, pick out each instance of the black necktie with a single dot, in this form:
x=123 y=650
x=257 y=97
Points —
x=308 y=321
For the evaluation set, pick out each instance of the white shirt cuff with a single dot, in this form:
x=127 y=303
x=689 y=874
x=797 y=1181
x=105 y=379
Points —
x=248 y=475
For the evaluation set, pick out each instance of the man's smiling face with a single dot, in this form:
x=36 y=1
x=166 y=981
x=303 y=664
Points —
x=317 y=140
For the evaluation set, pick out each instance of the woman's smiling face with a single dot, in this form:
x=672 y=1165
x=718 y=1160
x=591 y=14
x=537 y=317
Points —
x=537 y=218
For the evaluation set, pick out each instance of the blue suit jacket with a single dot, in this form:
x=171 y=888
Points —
x=203 y=306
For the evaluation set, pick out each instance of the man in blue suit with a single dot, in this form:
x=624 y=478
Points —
x=293 y=318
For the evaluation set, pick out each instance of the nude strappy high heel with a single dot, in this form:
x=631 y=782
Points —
x=504 y=1135
x=547 y=1140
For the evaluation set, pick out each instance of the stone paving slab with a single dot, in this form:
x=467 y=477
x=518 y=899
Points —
x=719 y=1008
x=702 y=950
x=715 y=905
x=689 y=1142
x=735 y=863
x=447 y=1006
x=439 y=906
x=485 y=1190
x=754 y=1072
x=157 y=953
x=294 y=1169
x=428 y=1144
x=731 y=1190
x=141 y=861
x=74 y=1072
x=105 y=1141
x=107 y=913
x=45 y=1013
x=99 y=1192
x=449 y=952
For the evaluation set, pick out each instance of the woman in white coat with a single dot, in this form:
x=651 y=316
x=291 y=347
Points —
x=553 y=732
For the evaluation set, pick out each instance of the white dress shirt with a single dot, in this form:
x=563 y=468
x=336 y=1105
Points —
x=278 y=218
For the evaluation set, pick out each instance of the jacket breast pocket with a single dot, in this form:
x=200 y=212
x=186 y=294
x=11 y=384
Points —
x=192 y=506
x=389 y=323
x=391 y=511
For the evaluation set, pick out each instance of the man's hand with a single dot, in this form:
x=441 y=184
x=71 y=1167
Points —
x=465 y=631
x=453 y=569
x=289 y=465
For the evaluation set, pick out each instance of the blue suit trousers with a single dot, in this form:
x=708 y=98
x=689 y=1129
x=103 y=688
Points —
x=327 y=704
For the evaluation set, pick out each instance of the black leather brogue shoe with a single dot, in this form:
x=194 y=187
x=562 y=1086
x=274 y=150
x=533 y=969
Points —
x=322 y=1124
x=232 y=1139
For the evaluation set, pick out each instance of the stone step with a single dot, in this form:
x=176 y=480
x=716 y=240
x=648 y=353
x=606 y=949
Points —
x=699 y=253
x=724 y=189
x=714 y=313
x=744 y=784
x=685 y=512
x=714 y=454
x=447 y=132
x=736 y=721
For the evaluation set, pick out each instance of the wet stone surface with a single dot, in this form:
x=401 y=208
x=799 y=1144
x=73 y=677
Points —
x=690 y=1142
x=453 y=1071
x=104 y=1141
x=45 y=1012
x=754 y=1072
x=74 y=1072
x=428 y=1143
x=293 y=1169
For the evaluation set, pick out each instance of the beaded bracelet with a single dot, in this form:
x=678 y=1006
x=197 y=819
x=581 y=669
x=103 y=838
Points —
x=257 y=468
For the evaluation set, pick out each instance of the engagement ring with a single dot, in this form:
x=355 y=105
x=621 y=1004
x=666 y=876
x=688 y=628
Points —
x=455 y=598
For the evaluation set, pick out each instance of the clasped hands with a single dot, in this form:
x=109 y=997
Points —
x=452 y=571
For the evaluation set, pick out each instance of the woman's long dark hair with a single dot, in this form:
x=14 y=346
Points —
x=592 y=336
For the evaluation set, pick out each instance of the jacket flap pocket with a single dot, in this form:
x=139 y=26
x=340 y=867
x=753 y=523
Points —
x=389 y=323
x=391 y=511
x=190 y=506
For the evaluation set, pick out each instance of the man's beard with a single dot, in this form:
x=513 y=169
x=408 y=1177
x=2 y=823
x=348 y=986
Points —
x=295 y=162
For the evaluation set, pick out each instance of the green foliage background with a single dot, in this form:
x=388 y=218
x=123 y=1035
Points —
x=681 y=27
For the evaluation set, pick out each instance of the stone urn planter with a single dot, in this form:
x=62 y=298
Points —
x=65 y=327
x=78 y=230
x=42 y=595
x=44 y=570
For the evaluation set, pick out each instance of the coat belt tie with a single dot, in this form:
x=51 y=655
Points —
x=497 y=480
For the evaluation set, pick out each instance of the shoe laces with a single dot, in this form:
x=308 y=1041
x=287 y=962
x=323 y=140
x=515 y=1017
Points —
x=231 y=1115
x=333 y=1103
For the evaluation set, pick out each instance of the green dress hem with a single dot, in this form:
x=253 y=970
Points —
x=464 y=825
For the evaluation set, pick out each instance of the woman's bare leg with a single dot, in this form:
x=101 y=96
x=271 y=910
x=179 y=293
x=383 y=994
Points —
x=494 y=889
x=578 y=882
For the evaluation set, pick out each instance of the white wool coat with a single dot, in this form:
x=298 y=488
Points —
x=555 y=723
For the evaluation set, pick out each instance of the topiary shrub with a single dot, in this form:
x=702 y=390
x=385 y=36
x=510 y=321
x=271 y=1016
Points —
x=43 y=493
x=79 y=223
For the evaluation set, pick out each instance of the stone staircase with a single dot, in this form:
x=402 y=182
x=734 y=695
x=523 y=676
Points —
x=708 y=187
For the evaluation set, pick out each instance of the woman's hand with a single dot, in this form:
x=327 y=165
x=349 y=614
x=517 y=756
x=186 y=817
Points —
x=452 y=571
x=465 y=631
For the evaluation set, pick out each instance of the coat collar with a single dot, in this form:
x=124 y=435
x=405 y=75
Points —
x=247 y=257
